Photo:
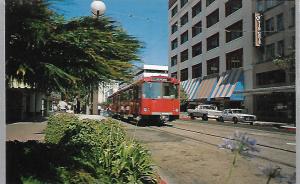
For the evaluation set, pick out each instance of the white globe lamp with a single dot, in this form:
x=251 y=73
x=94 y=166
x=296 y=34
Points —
x=98 y=8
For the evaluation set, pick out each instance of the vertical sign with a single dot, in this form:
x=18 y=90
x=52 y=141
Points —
x=258 y=29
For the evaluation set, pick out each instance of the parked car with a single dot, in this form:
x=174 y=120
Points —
x=205 y=112
x=236 y=115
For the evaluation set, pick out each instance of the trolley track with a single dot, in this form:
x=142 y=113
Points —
x=216 y=145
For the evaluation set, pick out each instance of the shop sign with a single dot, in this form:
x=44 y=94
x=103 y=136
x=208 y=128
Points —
x=258 y=18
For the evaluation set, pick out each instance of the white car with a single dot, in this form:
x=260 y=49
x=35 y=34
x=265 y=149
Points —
x=236 y=115
x=204 y=112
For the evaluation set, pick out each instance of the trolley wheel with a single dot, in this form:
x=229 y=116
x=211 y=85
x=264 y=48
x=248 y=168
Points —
x=235 y=120
x=204 y=117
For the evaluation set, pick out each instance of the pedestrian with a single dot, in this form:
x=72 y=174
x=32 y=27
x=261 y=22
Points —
x=77 y=105
x=62 y=106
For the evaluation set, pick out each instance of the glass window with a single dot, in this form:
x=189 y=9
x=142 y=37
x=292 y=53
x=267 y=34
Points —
x=197 y=49
x=184 y=37
x=169 y=90
x=174 y=28
x=184 y=19
x=152 y=90
x=270 y=51
x=197 y=70
x=259 y=5
x=269 y=26
x=234 y=31
x=184 y=74
x=174 y=60
x=174 y=44
x=234 y=59
x=232 y=6
x=197 y=29
x=183 y=2
x=196 y=9
x=280 y=48
x=212 y=18
x=272 y=3
x=271 y=77
x=174 y=10
x=212 y=42
x=208 y=2
x=184 y=55
x=280 y=23
x=212 y=66
x=292 y=14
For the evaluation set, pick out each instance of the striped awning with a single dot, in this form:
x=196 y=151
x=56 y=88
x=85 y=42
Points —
x=190 y=87
x=205 y=88
x=228 y=82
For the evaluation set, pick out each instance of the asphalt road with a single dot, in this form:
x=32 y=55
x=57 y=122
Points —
x=187 y=152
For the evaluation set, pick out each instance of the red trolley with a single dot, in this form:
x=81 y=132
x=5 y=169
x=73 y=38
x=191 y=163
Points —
x=154 y=98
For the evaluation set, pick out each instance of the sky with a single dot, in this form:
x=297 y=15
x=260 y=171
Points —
x=147 y=20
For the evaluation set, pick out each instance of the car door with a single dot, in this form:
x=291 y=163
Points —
x=225 y=114
x=230 y=115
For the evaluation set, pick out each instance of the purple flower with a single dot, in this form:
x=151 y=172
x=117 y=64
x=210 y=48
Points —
x=241 y=143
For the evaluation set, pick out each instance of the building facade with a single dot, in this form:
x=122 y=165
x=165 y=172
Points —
x=218 y=50
x=151 y=70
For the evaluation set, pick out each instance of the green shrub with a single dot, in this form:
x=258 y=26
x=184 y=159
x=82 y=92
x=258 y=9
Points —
x=98 y=152
x=57 y=125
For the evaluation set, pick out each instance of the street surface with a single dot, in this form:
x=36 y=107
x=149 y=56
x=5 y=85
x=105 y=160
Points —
x=187 y=152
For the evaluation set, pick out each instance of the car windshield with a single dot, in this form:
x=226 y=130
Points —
x=157 y=90
x=237 y=111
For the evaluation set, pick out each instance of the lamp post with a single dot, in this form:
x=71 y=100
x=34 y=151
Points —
x=97 y=8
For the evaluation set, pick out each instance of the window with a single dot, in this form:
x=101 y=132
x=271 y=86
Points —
x=196 y=9
x=212 y=18
x=174 y=44
x=197 y=29
x=293 y=42
x=197 y=49
x=272 y=3
x=232 y=6
x=234 y=31
x=174 y=60
x=184 y=55
x=212 y=66
x=184 y=74
x=174 y=28
x=184 y=37
x=208 y=2
x=271 y=77
x=269 y=26
x=197 y=71
x=234 y=59
x=182 y=3
x=292 y=14
x=184 y=19
x=280 y=23
x=270 y=51
x=174 y=10
x=280 y=48
x=174 y=75
x=212 y=42
x=259 y=5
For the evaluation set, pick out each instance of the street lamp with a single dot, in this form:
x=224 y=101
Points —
x=98 y=8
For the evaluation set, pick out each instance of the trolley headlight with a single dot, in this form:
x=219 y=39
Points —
x=145 y=109
x=176 y=110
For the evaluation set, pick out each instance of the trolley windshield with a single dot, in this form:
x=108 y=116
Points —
x=157 y=90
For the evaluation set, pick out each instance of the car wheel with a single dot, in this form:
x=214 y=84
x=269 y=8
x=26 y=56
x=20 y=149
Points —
x=235 y=120
x=221 y=119
x=251 y=123
x=204 y=117
x=192 y=116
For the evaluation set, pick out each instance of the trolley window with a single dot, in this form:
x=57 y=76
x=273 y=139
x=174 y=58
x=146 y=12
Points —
x=157 y=90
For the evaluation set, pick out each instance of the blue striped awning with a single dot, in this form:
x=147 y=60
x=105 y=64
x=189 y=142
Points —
x=190 y=87
x=229 y=82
